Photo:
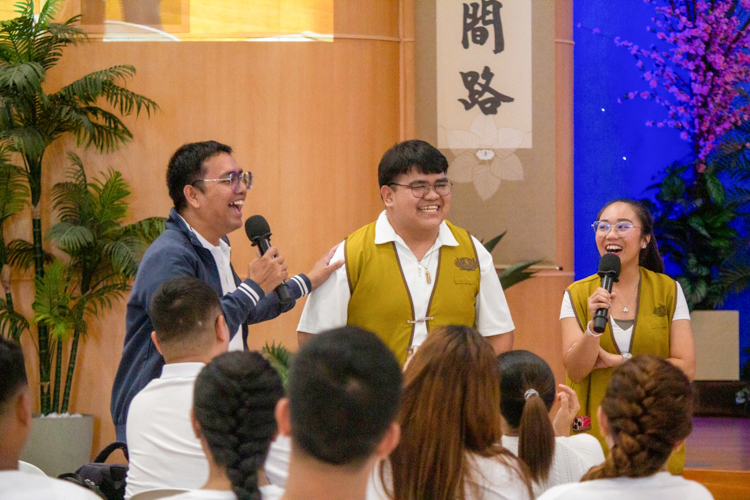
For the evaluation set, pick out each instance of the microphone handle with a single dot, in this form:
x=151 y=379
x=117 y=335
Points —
x=600 y=318
x=282 y=291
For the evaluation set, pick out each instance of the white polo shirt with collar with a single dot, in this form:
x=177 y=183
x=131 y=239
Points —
x=164 y=452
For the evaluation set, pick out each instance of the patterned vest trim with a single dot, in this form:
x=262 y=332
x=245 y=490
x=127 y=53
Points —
x=380 y=299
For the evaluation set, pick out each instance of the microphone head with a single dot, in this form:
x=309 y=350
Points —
x=609 y=264
x=256 y=227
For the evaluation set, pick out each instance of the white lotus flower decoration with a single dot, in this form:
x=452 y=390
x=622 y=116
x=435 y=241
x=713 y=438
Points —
x=492 y=158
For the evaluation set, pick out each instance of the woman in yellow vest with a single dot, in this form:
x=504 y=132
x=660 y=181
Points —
x=648 y=314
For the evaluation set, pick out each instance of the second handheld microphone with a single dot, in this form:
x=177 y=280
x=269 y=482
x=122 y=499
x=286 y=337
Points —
x=609 y=270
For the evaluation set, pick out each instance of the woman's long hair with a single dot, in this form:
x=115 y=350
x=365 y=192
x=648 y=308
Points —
x=520 y=373
x=649 y=408
x=451 y=406
x=234 y=403
x=649 y=257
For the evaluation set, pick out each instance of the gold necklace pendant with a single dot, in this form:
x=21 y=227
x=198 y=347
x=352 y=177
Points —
x=427 y=275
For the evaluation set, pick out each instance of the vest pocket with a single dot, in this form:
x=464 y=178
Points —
x=464 y=280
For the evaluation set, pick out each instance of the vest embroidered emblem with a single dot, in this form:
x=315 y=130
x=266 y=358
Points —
x=660 y=311
x=466 y=264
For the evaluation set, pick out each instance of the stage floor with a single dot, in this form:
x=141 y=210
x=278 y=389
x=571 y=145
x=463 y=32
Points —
x=719 y=444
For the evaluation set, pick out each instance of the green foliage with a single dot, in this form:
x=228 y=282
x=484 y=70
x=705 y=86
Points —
x=280 y=359
x=30 y=120
x=515 y=273
x=700 y=213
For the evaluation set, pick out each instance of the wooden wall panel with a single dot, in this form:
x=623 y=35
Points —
x=310 y=120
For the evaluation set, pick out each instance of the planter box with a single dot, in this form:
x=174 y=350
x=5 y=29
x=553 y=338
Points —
x=717 y=344
x=59 y=445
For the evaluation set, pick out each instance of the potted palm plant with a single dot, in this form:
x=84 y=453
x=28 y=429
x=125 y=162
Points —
x=102 y=258
x=31 y=119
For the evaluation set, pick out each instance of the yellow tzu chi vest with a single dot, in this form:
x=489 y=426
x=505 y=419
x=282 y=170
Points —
x=657 y=299
x=381 y=302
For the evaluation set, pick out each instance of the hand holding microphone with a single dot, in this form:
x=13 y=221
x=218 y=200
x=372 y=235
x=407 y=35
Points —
x=609 y=271
x=269 y=272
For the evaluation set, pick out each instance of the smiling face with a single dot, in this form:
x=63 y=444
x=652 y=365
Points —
x=626 y=246
x=413 y=217
x=217 y=206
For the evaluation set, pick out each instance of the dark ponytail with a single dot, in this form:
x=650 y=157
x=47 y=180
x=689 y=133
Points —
x=649 y=257
x=234 y=404
x=527 y=392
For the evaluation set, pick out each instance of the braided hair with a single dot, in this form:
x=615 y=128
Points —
x=234 y=402
x=649 y=408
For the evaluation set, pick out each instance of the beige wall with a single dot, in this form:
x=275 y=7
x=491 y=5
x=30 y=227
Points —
x=310 y=120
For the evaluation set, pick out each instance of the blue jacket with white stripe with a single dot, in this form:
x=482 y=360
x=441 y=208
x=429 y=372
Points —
x=177 y=252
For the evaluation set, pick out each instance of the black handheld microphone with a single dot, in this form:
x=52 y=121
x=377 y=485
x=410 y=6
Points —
x=259 y=233
x=609 y=270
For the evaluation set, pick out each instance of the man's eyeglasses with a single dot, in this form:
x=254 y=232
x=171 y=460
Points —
x=603 y=227
x=420 y=189
x=233 y=180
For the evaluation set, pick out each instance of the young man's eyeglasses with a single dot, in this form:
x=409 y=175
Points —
x=603 y=227
x=233 y=180
x=420 y=189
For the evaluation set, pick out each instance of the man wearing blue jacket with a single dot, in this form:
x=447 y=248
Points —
x=208 y=189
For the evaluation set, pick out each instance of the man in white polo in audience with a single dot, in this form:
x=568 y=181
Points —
x=15 y=425
x=190 y=330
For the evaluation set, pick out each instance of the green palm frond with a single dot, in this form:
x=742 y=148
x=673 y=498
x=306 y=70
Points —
x=21 y=255
x=12 y=324
x=23 y=77
x=280 y=359
x=14 y=190
x=516 y=273
x=70 y=238
x=125 y=254
x=108 y=198
x=490 y=245
x=147 y=229
x=52 y=301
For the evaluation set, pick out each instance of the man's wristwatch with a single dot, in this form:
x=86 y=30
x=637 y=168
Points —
x=626 y=355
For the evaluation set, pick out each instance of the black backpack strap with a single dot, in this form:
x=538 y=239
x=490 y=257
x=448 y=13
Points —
x=107 y=451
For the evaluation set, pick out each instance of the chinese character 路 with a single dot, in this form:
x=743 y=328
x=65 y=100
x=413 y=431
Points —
x=477 y=90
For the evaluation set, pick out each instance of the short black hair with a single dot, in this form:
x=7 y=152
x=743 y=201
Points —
x=234 y=404
x=344 y=392
x=183 y=309
x=186 y=167
x=404 y=156
x=12 y=371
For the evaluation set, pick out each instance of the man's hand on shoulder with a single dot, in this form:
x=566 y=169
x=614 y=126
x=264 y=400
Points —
x=323 y=269
x=268 y=271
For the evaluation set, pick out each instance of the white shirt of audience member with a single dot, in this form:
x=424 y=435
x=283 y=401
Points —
x=17 y=485
x=268 y=492
x=490 y=480
x=574 y=456
x=661 y=486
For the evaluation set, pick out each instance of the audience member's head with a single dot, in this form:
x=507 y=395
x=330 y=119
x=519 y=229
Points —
x=186 y=167
x=451 y=406
x=645 y=414
x=233 y=416
x=188 y=321
x=527 y=392
x=344 y=392
x=15 y=404
x=408 y=155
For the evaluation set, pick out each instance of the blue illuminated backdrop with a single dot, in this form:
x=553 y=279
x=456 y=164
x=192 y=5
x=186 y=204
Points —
x=616 y=154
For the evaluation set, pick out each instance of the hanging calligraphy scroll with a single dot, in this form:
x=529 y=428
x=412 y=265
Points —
x=485 y=94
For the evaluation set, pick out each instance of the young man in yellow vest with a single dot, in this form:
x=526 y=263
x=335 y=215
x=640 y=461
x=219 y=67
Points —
x=411 y=270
